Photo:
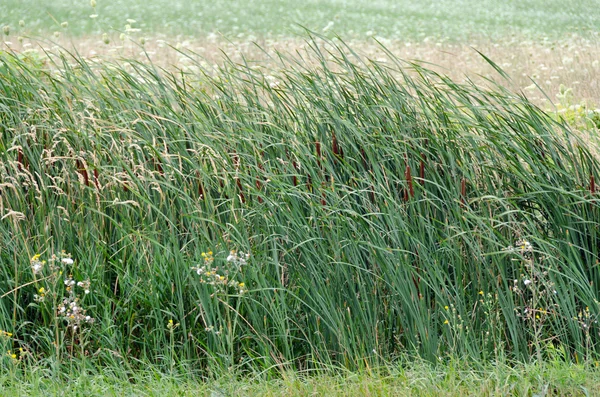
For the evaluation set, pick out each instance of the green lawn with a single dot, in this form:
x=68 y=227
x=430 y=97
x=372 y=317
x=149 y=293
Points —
x=403 y=19
x=415 y=379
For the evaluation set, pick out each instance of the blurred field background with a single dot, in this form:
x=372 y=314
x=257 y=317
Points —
x=455 y=20
x=549 y=43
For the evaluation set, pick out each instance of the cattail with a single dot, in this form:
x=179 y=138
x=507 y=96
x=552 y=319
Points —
x=258 y=186
x=364 y=159
x=96 y=179
x=592 y=184
x=409 y=180
x=157 y=166
x=20 y=159
x=318 y=148
x=200 y=188
x=82 y=171
x=295 y=178
x=337 y=150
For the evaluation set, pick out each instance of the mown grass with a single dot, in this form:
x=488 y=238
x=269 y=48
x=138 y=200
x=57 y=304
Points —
x=410 y=379
x=385 y=209
x=457 y=20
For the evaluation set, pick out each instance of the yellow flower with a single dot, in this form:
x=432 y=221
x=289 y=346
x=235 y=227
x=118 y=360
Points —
x=242 y=285
x=446 y=322
x=446 y=307
x=42 y=291
x=480 y=292
x=35 y=257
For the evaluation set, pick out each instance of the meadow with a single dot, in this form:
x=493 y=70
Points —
x=300 y=214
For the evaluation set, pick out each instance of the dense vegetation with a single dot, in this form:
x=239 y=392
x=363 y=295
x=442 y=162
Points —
x=341 y=213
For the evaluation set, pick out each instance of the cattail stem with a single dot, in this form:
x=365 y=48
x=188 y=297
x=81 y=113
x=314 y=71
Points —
x=422 y=169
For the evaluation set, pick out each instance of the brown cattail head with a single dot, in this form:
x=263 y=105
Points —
x=82 y=171
x=364 y=158
x=592 y=184
x=20 y=158
x=337 y=150
x=318 y=149
x=158 y=167
x=200 y=188
x=96 y=179
x=258 y=186
x=294 y=178
x=409 y=181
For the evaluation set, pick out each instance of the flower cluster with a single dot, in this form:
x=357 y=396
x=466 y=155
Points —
x=5 y=334
x=521 y=247
x=38 y=267
x=222 y=278
x=40 y=296
x=65 y=295
x=70 y=308
x=238 y=258
x=36 y=264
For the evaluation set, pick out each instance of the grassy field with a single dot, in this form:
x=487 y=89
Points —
x=539 y=42
x=309 y=215
x=412 y=379
x=456 y=20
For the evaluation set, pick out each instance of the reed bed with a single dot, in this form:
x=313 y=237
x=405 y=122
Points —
x=343 y=213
